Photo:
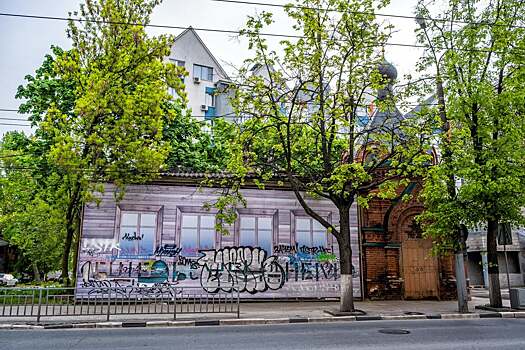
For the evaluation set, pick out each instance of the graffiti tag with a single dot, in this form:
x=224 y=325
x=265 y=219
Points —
x=243 y=269
x=168 y=250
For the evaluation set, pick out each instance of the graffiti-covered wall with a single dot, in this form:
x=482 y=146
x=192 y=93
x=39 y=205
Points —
x=162 y=234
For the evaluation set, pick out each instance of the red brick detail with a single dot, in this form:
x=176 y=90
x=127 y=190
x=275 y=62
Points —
x=381 y=265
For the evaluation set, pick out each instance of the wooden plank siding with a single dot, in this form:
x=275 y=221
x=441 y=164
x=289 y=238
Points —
x=101 y=222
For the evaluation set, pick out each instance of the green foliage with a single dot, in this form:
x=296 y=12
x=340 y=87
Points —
x=481 y=69
x=102 y=114
x=121 y=107
x=121 y=96
x=303 y=106
x=31 y=205
x=194 y=149
x=46 y=89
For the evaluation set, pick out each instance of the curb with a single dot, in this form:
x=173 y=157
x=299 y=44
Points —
x=265 y=321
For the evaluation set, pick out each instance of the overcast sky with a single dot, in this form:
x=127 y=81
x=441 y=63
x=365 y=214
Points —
x=24 y=42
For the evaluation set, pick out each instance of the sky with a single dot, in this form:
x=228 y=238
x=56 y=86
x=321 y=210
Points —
x=24 y=42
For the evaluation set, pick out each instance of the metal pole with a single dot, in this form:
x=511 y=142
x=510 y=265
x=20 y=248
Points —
x=507 y=268
x=175 y=303
x=39 y=305
x=238 y=303
x=109 y=304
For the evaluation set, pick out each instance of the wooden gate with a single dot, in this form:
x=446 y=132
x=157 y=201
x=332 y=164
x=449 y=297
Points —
x=420 y=269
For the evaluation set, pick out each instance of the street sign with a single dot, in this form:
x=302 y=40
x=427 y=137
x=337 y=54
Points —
x=504 y=234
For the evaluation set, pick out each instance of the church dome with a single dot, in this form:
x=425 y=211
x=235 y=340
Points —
x=387 y=70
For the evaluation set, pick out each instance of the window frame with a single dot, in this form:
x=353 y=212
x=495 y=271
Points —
x=211 y=97
x=178 y=63
x=196 y=211
x=273 y=214
x=256 y=230
x=301 y=214
x=139 y=209
x=200 y=76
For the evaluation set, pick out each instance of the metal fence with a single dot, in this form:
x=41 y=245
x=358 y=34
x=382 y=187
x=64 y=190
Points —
x=108 y=301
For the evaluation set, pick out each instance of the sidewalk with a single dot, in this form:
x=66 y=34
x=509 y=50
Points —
x=271 y=312
x=372 y=308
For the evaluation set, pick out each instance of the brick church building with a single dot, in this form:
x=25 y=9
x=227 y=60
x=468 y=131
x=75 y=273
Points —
x=397 y=262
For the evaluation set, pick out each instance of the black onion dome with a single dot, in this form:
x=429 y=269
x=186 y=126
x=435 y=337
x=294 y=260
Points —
x=387 y=70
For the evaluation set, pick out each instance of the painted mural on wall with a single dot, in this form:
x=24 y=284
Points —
x=161 y=237
x=292 y=271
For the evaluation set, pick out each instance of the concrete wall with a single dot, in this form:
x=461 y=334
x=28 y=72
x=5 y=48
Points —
x=189 y=48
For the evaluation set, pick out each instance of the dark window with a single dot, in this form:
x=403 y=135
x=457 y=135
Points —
x=203 y=72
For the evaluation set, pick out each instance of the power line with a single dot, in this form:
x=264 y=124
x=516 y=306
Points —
x=227 y=31
x=18 y=119
x=14 y=119
x=13 y=124
x=366 y=13
x=164 y=26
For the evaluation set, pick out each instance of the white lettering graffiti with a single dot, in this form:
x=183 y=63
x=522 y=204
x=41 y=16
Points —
x=244 y=269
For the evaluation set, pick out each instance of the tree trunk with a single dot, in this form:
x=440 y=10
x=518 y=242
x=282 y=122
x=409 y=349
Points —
x=459 y=266
x=75 y=255
x=345 y=254
x=36 y=273
x=492 y=254
x=78 y=231
x=70 y=231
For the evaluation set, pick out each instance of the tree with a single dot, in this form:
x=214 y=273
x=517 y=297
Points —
x=121 y=104
x=441 y=195
x=306 y=115
x=30 y=206
x=480 y=48
x=186 y=147
x=43 y=91
x=194 y=149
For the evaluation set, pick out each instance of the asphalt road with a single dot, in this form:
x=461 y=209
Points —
x=427 y=334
